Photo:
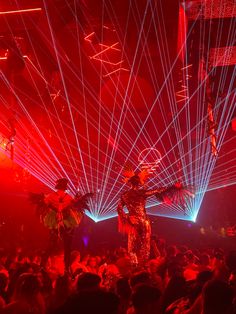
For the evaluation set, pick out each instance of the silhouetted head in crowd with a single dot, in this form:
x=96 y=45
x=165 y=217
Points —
x=45 y=281
x=123 y=288
x=191 y=258
x=232 y=281
x=161 y=243
x=176 y=288
x=75 y=256
x=181 y=259
x=93 y=302
x=217 y=298
x=88 y=282
x=123 y=263
x=146 y=299
x=92 y=262
x=152 y=266
x=205 y=259
x=120 y=252
x=231 y=260
x=219 y=254
x=111 y=259
x=175 y=269
x=27 y=287
x=140 y=278
x=62 y=286
x=183 y=249
x=171 y=251
x=201 y=279
x=3 y=282
x=27 y=297
x=3 y=257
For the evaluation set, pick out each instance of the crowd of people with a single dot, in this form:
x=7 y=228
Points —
x=149 y=277
x=176 y=279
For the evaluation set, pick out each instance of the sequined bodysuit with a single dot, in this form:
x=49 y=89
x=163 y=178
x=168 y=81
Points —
x=136 y=223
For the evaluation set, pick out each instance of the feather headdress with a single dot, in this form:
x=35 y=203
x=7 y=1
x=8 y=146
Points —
x=130 y=175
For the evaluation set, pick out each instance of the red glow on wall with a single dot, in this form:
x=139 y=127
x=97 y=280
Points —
x=182 y=29
x=234 y=124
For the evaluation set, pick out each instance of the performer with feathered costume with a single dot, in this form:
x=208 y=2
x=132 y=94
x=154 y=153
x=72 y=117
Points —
x=136 y=222
x=60 y=213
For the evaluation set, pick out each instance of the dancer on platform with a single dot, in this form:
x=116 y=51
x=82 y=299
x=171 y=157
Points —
x=60 y=213
x=136 y=222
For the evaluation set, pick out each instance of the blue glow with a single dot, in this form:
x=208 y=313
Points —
x=100 y=218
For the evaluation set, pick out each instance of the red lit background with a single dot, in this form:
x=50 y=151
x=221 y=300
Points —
x=88 y=86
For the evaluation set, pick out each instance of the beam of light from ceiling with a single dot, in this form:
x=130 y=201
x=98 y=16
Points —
x=140 y=132
x=65 y=89
x=21 y=11
x=5 y=80
x=176 y=123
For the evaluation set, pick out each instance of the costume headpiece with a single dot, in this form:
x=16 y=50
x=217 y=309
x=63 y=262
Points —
x=135 y=178
x=61 y=184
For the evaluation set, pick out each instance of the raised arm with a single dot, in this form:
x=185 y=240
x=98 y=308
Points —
x=120 y=209
x=124 y=225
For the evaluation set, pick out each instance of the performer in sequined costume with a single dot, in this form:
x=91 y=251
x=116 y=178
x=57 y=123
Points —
x=136 y=223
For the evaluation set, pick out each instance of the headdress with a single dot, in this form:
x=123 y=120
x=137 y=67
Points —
x=135 y=178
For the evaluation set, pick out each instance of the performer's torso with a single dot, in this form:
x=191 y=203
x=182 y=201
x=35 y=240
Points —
x=58 y=201
x=135 y=201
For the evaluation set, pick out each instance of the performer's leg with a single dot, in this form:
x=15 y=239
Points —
x=143 y=249
x=132 y=248
x=67 y=239
x=51 y=248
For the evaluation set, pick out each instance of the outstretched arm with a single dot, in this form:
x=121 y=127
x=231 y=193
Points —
x=80 y=202
x=176 y=193
x=155 y=191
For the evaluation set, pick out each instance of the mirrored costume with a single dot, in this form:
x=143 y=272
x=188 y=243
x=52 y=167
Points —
x=135 y=223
